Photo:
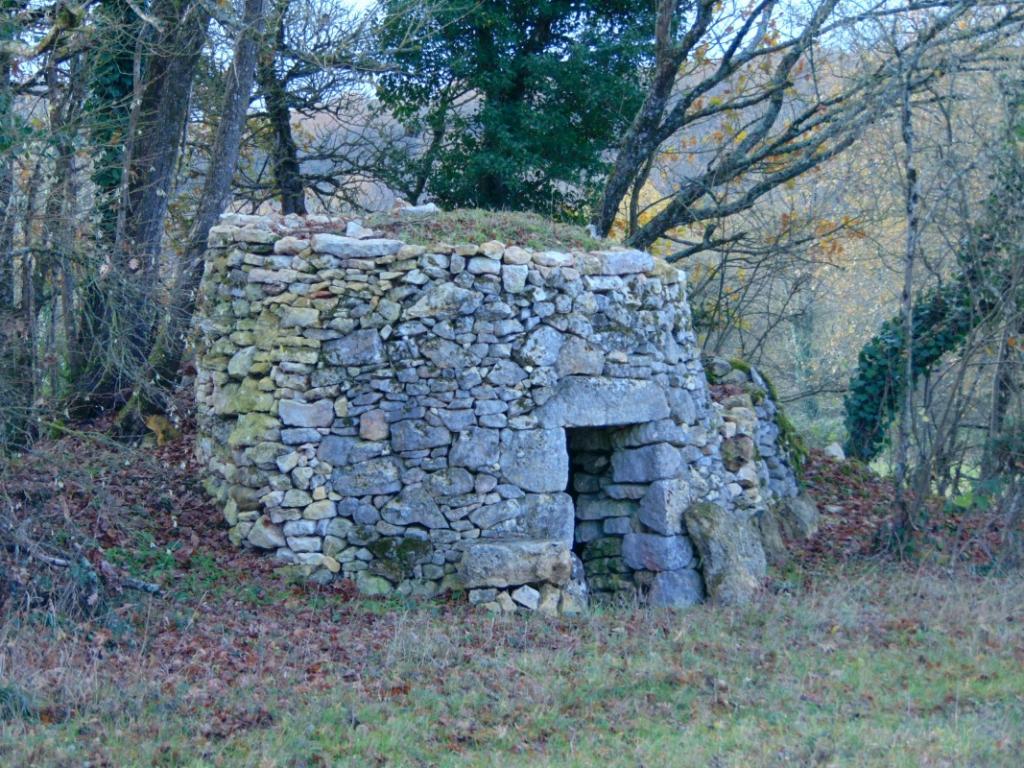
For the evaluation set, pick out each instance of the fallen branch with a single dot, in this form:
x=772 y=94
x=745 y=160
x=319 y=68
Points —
x=111 y=573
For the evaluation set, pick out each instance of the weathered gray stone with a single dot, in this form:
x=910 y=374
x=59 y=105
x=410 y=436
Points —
x=625 y=262
x=414 y=505
x=475 y=448
x=646 y=464
x=493 y=563
x=446 y=354
x=587 y=401
x=339 y=451
x=506 y=373
x=297 y=414
x=363 y=347
x=535 y=516
x=535 y=459
x=299 y=317
x=241 y=362
x=527 y=596
x=373 y=425
x=265 y=535
x=799 y=516
x=676 y=589
x=413 y=435
x=540 y=348
x=444 y=301
x=662 y=507
x=453 y=481
x=577 y=356
x=651 y=552
x=513 y=277
x=374 y=476
x=731 y=554
x=354 y=248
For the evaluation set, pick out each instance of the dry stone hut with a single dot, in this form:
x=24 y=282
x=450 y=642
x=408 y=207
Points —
x=531 y=427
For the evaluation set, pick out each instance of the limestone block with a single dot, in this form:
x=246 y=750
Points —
x=541 y=347
x=298 y=414
x=579 y=357
x=652 y=552
x=647 y=464
x=475 y=448
x=414 y=505
x=265 y=535
x=338 y=450
x=493 y=563
x=527 y=596
x=373 y=476
x=445 y=301
x=676 y=589
x=535 y=516
x=353 y=248
x=373 y=425
x=415 y=435
x=535 y=459
x=363 y=347
x=624 y=262
x=731 y=554
x=662 y=506
x=590 y=401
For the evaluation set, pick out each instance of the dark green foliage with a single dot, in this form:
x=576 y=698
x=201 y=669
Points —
x=516 y=100
x=987 y=278
x=109 y=102
x=941 y=320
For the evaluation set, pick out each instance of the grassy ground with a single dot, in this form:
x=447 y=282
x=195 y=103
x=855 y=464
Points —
x=858 y=663
x=476 y=226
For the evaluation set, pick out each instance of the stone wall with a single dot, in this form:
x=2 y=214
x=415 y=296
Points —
x=530 y=427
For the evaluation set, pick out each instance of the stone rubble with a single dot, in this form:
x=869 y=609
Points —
x=532 y=428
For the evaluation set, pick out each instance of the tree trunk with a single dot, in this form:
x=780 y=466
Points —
x=121 y=312
x=165 y=359
x=6 y=189
x=905 y=518
x=287 y=171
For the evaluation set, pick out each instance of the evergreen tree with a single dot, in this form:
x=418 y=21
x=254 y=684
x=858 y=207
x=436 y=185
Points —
x=516 y=102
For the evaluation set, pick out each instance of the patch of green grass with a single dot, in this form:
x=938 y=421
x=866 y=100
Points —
x=529 y=230
x=867 y=668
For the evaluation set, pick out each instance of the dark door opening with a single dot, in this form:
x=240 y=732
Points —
x=605 y=511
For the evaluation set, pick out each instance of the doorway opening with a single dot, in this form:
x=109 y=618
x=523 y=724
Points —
x=605 y=511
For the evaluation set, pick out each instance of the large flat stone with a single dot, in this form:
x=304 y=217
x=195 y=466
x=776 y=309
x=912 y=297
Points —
x=475 y=448
x=492 y=563
x=593 y=401
x=415 y=435
x=535 y=516
x=651 y=552
x=662 y=507
x=676 y=589
x=339 y=450
x=647 y=464
x=414 y=506
x=445 y=301
x=297 y=414
x=732 y=557
x=600 y=507
x=625 y=262
x=354 y=248
x=541 y=347
x=374 y=476
x=535 y=459
x=363 y=347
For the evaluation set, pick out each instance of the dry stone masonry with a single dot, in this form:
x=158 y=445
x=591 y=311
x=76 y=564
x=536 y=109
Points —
x=533 y=428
